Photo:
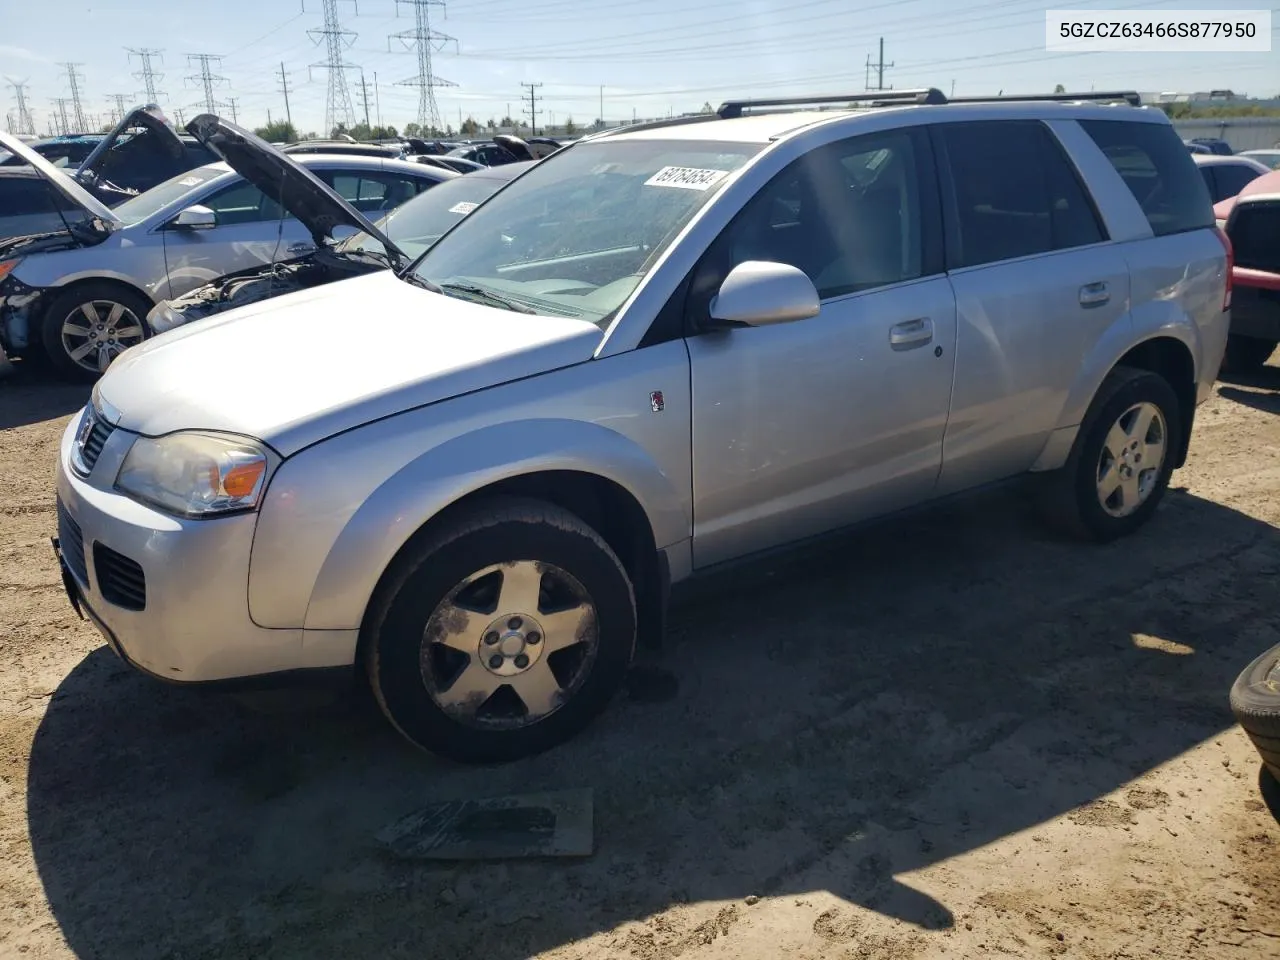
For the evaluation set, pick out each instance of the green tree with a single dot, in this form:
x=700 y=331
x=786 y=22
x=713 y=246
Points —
x=412 y=130
x=1059 y=89
x=569 y=126
x=491 y=124
x=278 y=131
x=508 y=123
x=469 y=127
x=707 y=107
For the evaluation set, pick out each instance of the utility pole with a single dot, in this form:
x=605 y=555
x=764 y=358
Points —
x=77 y=109
x=532 y=109
x=337 y=107
x=25 y=123
x=377 y=98
x=148 y=74
x=866 y=81
x=880 y=67
x=61 y=104
x=206 y=78
x=182 y=121
x=364 y=97
x=425 y=41
x=231 y=102
x=119 y=99
x=284 y=88
x=602 y=106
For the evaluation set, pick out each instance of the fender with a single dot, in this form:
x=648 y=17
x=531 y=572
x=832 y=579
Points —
x=100 y=276
x=446 y=474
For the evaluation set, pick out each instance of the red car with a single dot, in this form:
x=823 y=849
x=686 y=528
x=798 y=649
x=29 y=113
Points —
x=1252 y=220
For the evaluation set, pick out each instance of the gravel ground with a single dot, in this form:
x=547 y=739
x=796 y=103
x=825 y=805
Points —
x=953 y=736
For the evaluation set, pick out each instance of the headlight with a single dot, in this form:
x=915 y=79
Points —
x=6 y=266
x=194 y=474
x=163 y=317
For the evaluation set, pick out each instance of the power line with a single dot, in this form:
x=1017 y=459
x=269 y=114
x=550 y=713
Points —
x=148 y=74
x=426 y=42
x=284 y=88
x=532 y=109
x=26 y=124
x=337 y=108
x=77 y=109
x=206 y=78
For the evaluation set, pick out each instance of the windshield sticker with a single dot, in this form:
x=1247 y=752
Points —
x=463 y=207
x=686 y=178
x=190 y=182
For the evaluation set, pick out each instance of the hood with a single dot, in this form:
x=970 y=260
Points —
x=290 y=371
x=154 y=125
x=77 y=194
x=297 y=189
x=1268 y=183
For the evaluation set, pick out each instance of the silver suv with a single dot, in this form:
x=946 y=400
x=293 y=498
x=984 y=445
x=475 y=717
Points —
x=660 y=349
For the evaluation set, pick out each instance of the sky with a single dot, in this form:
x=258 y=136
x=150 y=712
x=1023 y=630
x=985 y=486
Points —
x=636 y=59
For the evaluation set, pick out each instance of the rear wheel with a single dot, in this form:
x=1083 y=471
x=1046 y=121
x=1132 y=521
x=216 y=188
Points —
x=1122 y=460
x=502 y=634
x=87 y=326
x=1246 y=354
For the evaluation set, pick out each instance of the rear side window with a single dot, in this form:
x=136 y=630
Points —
x=1158 y=171
x=1234 y=177
x=24 y=196
x=1014 y=193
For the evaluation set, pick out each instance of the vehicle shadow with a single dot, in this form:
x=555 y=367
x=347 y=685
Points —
x=844 y=717
x=30 y=395
x=1266 y=378
x=1268 y=402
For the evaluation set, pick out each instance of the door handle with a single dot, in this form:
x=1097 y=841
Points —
x=1094 y=294
x=300 y=248
x=911 y=333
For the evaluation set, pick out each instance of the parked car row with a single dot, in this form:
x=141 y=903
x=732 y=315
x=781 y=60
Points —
x=475 y=470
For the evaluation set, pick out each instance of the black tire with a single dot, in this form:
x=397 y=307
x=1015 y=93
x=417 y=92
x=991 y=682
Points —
x=67 y=303
x=1255 y=701
x=1246 y=354
x=422 y=577
x=1069 y=499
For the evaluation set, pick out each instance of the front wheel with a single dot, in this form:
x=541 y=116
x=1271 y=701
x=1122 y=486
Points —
x=502 y=634
x=1122 y=460
x=86 y=327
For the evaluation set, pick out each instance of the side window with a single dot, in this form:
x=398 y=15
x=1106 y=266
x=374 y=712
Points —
x=847 y=214
x=1155 y=166
x=240 y=203
x=1234 y=177
x=1072 y=214
x=1001 y=194
x=1206 y=174
x=375 y=192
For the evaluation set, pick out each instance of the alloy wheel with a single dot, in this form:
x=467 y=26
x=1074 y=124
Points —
x=1132 y=459
x=98 y=331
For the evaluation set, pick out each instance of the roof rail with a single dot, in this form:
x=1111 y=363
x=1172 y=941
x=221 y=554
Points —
x=1128 y=96
x=650 y=125
x=731 y=109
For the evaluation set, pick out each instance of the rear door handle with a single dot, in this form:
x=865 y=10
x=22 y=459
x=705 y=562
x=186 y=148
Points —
x=1094 y=294
x=911 y=333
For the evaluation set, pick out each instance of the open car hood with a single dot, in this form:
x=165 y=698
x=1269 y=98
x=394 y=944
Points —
x=297 y=189
x=60 y=181
x=154 y=125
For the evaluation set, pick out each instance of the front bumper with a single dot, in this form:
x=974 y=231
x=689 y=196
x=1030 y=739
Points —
x=191 y=622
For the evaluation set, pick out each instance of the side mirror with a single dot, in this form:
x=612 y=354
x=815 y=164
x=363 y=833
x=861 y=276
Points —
x=195 y=217
x=759 y=293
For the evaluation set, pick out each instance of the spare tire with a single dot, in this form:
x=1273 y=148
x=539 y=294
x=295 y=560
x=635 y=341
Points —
x=1255 y=700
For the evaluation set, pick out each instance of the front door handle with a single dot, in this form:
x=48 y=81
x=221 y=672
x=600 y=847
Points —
x=1094 y=294
x=911 y=333
x=298 y=249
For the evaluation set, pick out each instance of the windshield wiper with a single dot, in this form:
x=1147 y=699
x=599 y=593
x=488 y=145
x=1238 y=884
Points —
x=418 y=281
x=488 y=296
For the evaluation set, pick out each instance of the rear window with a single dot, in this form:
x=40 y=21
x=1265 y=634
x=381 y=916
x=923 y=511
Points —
x=1159 y=172
x=1253 y=231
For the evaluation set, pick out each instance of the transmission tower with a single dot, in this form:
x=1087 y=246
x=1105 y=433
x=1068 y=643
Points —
x=147 y=74
x=231 y=102
x=61 y=104
x=206 y=78
x=337 y=107
x=426 y=42
x=119 y=100
x=25 y=123
x=284 y=88
x=77 y=109
x=532 y=109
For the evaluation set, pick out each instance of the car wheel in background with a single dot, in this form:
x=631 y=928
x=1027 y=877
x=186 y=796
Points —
x=88 y=325
x=1255 y=701
x=1122 y=460
x=501 y=634
x=1246 y=354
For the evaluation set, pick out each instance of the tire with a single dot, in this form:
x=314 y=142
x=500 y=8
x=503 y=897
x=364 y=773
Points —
x=440 y=619
x=1246 y=354
x=1071 y=500
x=106 y=300
x=1255 y=701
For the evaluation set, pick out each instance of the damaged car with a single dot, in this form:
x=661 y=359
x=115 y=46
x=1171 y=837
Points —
x=411 y=229
x=79 y=296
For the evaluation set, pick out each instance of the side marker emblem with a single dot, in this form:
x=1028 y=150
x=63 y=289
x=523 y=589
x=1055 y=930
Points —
x=656 y=401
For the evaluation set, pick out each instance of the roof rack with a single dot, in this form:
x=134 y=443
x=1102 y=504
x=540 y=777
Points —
x=1128 y=96
x=731 y=109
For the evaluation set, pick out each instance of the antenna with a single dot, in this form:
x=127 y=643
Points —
x=337 y=109
x=426 y=41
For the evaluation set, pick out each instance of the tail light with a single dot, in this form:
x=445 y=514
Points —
x=1231 y=265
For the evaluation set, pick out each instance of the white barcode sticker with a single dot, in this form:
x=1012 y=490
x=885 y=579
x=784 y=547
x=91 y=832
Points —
x=465 y=206
x=686 y=178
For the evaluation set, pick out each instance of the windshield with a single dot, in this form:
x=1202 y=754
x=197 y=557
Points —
x=425 y=218
x=146 y=204
x=576 y=234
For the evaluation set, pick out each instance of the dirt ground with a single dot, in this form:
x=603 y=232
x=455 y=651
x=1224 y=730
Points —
x=954 y=736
